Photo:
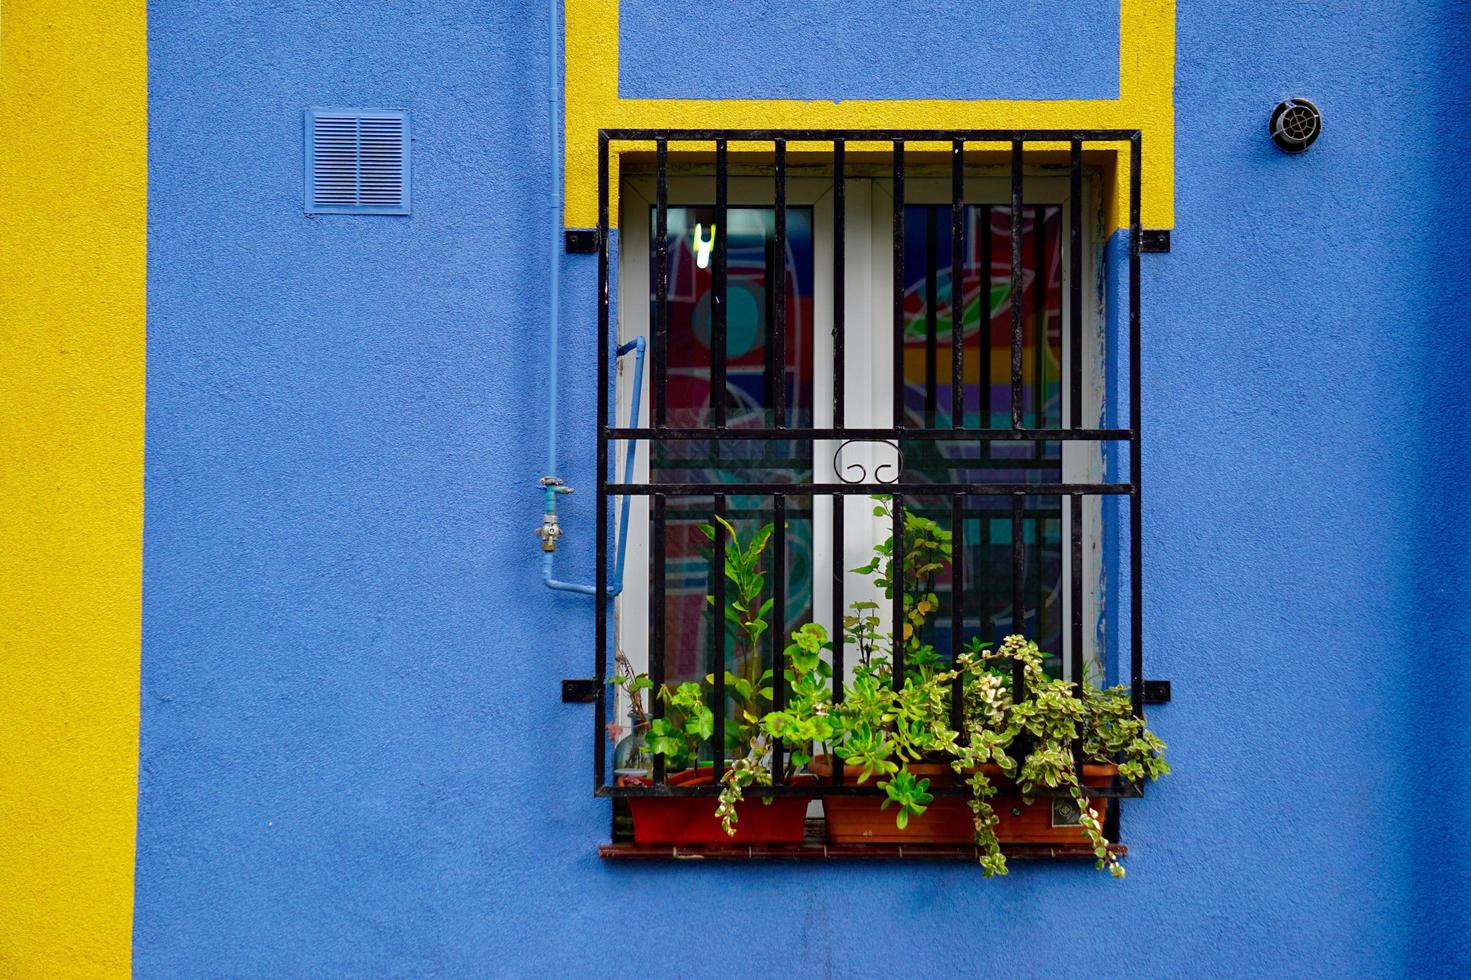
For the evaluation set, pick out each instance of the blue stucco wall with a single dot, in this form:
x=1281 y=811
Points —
x=354 y=758
x=868 y=49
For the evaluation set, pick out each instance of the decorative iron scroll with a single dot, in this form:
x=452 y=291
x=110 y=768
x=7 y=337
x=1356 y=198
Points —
x=862 y=477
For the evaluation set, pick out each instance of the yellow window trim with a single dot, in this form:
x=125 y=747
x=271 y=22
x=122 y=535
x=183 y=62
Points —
x=1145 y=102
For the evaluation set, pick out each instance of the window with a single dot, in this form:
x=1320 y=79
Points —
x=842 y=378
x=755 y=371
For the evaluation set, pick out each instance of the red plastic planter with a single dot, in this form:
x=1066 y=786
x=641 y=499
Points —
x=1031 y=823
x=862 y=820
x=947 y=819
x=692 y=820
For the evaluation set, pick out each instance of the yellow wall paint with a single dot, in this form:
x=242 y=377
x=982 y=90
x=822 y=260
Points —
x=1146 y=103
x=73 y=176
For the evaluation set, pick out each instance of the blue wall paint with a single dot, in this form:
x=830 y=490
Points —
x=348 y=652
x=868 y=49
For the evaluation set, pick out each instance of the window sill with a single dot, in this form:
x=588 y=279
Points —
x=844 y=852
x=815 y=847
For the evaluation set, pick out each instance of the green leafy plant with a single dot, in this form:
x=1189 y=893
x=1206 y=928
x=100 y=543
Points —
x=804 y=722
x=910 y=793
x=877 y=727
x=689 y=721
x=926 y=551
x=1031 y=738
x=883 y=728
x=745 y=621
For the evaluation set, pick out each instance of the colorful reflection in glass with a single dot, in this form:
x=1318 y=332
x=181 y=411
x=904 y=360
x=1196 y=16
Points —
x=754 y=383
x=986 y=305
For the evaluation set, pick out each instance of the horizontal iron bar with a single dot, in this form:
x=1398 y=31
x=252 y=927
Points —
x=996 y=464
x=1121 y=791
x=874 y=435
x=918 y=135
x=824 y=489
x=796 y=511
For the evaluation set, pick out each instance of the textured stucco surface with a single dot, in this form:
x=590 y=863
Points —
x=354 y=757
x=73 y=142
x=868 y=49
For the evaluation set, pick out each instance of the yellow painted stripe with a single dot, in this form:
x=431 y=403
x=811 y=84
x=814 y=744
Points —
x=1145 y=102
x=73 y=179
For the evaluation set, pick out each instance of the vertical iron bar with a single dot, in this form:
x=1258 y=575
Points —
x=898 y=339
x=1016 y=284
x=1075 y=284
x=661 y=287
x=769 y=380
x=1136 y=469
x=839 y=257
x=840 y=214
x=1075 y=591
x=957 y=284
x=987 y=394
x=778 y=289
x=957 y=604
x=896 y=583
x=1112 y=820
x=1018 y=588
x=778 y=627
x=1040 y=283
x=718 y=292
x=1039 y=534
x=658 y=542
x=982 y=575
x=838 y=637
x=1039 y=420
x=931 y=319
x=600 y=575
x=717 y=636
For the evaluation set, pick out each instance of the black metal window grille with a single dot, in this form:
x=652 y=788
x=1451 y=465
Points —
x=658 y=493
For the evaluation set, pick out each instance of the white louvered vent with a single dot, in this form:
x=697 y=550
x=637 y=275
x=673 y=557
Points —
x=357 y=161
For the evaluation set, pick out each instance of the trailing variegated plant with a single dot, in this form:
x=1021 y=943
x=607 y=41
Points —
x=1044 y=725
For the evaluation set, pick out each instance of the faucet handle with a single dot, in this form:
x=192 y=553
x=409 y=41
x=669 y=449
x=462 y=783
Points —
x=549 y=532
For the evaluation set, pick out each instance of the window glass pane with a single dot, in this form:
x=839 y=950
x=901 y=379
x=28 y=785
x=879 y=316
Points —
x=755 y=380
x=985 y=302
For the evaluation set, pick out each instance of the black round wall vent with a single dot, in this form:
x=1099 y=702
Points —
x=1295 y=125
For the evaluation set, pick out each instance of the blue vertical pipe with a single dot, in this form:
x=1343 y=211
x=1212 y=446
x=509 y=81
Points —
x=554 y=258
x=637 y=346
x=554 y=280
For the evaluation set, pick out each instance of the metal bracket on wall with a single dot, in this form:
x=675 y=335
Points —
x=579 y=690
x=1154 y=240
x=582 y=241
x=1156 y=692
